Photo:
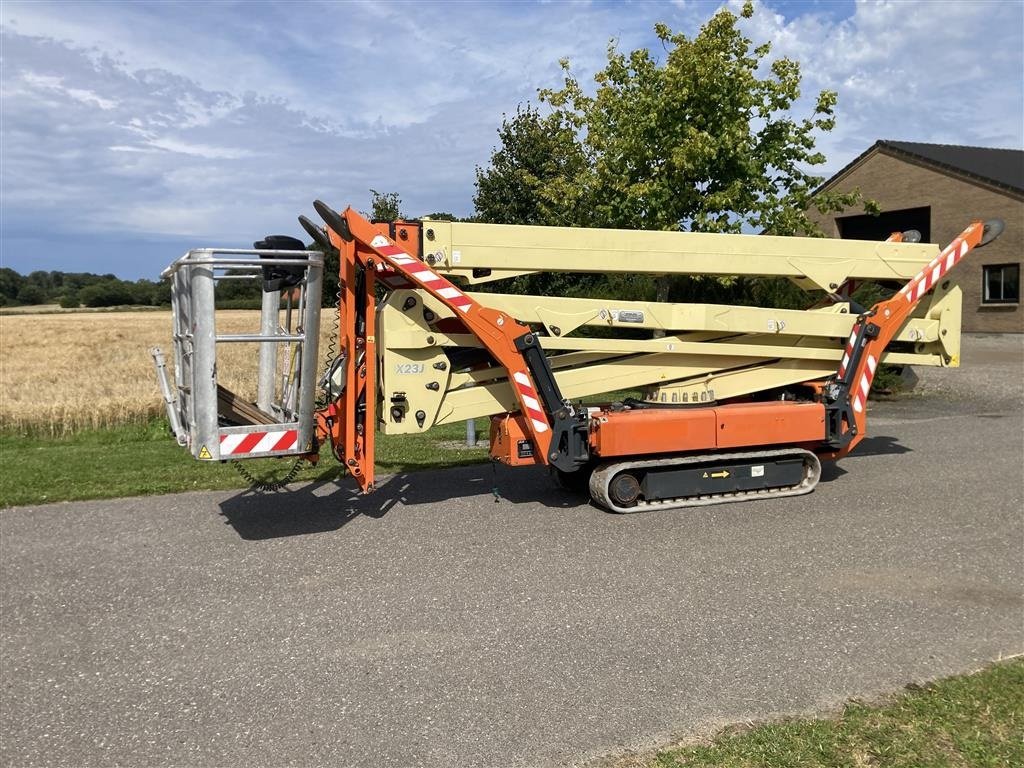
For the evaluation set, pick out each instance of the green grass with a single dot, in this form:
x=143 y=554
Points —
x=140 y=460
x=972 y=720
x=137 y=460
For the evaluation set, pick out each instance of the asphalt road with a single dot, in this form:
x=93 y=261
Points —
x=429 y=625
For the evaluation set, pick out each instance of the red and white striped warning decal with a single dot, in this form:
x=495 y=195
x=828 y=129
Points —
x=529 y=397
x=924 y=280
x=421 y=273
x=860 y=397
x=258 y=442
x=847 y=353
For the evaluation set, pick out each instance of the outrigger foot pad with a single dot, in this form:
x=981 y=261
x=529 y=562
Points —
x=993 y=229
x=333 y=219
x=317 y=233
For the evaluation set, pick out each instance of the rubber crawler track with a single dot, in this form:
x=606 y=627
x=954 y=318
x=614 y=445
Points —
x=601 y=479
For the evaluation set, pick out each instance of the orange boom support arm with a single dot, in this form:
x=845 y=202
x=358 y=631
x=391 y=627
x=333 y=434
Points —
x=875 y=329
x=367 y=252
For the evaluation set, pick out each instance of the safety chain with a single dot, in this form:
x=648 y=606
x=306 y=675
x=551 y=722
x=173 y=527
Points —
x=268 y=486
x=332 y=352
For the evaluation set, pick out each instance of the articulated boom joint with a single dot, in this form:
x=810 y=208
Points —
x=875 y=329
x=569 y=448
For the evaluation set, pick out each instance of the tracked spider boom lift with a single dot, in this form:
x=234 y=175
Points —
x=738 y=402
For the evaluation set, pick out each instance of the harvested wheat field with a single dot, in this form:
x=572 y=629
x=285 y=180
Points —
x=61 y=373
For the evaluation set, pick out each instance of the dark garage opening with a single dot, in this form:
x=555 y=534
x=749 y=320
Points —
x=879 y=227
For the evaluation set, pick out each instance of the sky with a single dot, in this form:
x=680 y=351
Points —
x=131 y=132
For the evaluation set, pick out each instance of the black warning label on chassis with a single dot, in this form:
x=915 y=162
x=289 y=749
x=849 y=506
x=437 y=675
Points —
x=524 y=449
x=713 y=478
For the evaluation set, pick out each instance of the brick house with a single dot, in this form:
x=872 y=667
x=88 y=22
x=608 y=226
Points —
x=938 y=189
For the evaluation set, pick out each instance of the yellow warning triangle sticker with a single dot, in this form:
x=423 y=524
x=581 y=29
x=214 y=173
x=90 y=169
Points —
x=204 y=453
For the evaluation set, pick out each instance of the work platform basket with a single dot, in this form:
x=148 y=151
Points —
x=212 y=421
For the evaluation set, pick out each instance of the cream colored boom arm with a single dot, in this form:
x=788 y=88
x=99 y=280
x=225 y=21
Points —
x=711 y=351
x=708 y=352
x=484 y=252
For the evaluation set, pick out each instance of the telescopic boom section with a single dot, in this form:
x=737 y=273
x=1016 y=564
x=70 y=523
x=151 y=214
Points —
x=875 y=329
x=363 y=247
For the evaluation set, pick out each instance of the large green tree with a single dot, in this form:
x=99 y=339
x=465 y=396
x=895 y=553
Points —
x=701 y=138
x=536 y=153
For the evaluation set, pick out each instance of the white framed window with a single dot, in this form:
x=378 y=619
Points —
x=1000 y=284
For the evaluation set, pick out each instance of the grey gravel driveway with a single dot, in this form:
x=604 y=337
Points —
x=429 y=625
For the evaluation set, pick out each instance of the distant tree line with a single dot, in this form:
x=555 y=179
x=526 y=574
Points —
x=77 y=289
x=86 y=289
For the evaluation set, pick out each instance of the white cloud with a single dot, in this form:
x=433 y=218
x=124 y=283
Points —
x=929 y=71
x=205 y=151
x=183 y=119
x=32 y=81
